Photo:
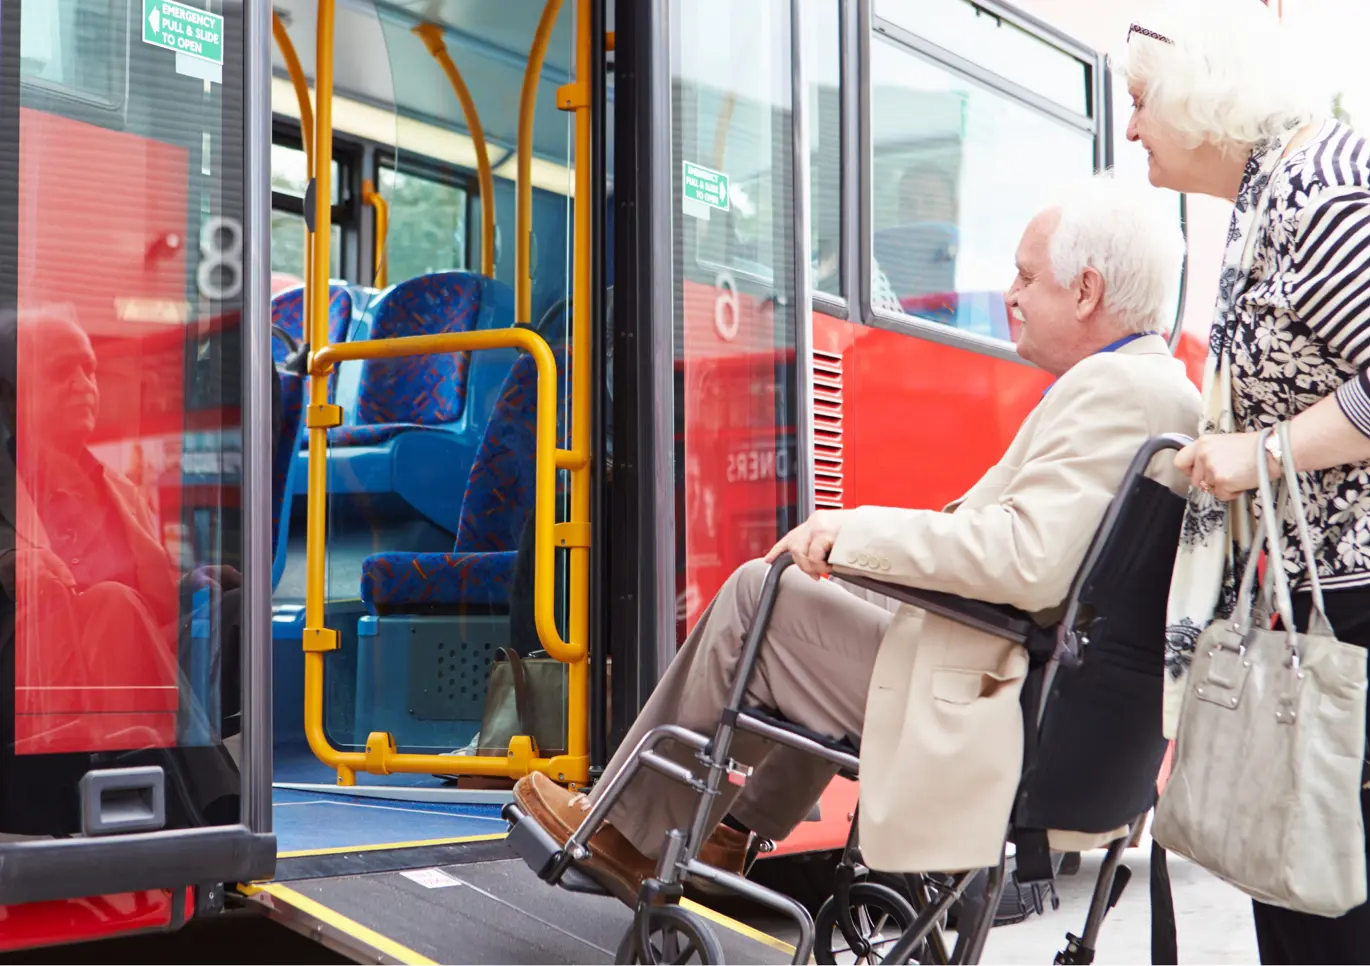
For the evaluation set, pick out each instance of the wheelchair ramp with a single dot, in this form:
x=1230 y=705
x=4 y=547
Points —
x=476 y=912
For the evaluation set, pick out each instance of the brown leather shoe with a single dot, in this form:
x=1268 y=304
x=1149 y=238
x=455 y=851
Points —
x=726 y=849
x=614 y=863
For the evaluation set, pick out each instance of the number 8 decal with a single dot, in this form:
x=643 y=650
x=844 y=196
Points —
x=220 y=275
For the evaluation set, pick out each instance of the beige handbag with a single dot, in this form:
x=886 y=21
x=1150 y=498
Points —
x=526 y=696
x=1266 y=787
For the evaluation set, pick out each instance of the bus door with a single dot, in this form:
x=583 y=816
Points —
x=449 y=455
x=734 y=327
x=132 y=297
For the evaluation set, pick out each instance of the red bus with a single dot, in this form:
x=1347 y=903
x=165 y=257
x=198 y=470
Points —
x=764 y=243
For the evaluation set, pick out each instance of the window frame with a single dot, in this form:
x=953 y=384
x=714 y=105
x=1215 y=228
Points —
x=857 y=151
x=349 y=156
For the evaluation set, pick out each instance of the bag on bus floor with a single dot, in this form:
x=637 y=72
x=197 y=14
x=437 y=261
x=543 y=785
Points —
x=526 y=696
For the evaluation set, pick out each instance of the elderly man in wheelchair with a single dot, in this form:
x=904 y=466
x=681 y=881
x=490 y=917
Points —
x=790 y=678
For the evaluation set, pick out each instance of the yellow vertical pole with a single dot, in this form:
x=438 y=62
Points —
x=523 y=227
x=582 y=298
x=317 y=638
x=373 y=198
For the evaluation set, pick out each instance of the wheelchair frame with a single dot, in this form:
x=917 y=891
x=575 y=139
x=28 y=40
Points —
x=555 y=862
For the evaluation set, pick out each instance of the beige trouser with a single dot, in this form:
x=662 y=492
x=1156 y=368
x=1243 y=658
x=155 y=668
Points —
x=814 y=668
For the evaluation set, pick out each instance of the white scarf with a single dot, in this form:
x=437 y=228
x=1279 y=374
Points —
x=1215 y=534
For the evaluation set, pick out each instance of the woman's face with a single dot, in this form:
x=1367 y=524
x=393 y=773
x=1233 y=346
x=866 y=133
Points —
x=1171 y=164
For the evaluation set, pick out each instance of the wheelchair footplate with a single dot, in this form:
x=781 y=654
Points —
x=542 y=853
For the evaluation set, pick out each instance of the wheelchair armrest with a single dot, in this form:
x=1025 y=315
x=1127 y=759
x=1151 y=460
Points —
x=1000 y=620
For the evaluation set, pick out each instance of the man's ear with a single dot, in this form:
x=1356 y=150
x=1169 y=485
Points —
x=1089 y=294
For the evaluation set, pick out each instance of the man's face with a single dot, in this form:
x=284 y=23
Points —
x=60 y=396
x=1046 y=309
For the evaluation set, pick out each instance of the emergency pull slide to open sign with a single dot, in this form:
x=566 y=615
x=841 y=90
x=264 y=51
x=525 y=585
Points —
x=196 y=36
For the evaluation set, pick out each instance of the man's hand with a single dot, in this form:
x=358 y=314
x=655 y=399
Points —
x=811 y=542
x=1225 y=465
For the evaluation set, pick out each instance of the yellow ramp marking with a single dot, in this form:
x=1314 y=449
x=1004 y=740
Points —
x=311 y=907
x=740 y=928
x=382 y=846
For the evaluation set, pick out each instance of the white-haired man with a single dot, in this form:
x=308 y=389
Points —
x=936 y=703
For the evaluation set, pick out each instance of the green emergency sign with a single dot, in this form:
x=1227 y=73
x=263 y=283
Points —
x=184 y=29
x=706 y=186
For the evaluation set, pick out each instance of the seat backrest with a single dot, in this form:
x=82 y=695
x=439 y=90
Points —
x=283 y=464
x=287 y=312
x=499 y=490
x=425 y=390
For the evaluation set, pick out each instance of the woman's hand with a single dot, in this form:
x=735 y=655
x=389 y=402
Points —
x=1224 y=465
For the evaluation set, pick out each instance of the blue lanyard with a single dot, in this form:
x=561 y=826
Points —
x=1113 y=347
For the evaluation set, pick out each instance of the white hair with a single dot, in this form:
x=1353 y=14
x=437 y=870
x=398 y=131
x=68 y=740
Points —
x=1230 y=74
x=1131 y=236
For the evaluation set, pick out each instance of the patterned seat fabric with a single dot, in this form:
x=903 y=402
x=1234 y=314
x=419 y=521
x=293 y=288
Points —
x=495 y=507
x=287 y=311
x=398 y=394
x=287 y=445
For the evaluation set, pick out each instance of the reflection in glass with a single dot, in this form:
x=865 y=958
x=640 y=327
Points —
x=735 y=320
x=946 y=208
x=823 y=61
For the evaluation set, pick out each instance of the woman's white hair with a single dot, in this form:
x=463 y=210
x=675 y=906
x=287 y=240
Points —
x=1129 y=234
x=1229 y=74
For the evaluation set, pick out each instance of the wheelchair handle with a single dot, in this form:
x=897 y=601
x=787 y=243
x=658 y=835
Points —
x=1068 y=647
x=751 y=646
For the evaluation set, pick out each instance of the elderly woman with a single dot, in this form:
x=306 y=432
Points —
x=1217 y=105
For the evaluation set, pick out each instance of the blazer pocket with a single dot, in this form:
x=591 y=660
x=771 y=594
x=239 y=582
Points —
x=957 y=685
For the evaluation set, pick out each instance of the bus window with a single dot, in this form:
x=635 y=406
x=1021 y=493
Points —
x=957 y=169
x=65 y=47
x=427 y=225
x=823 y=60
x=289 y=179
x=964 y=28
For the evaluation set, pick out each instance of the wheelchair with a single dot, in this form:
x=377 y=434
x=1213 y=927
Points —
x=1093 y=750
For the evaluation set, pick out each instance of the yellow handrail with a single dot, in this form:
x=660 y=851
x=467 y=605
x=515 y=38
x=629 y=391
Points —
x=320 y=414
x=523 y=226
x=576 y=97
x=431 y=35
x=380 y=756
x=297 y=80
x=373 y=198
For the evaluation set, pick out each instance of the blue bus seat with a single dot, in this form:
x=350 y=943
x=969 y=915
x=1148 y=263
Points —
x=479 y=569
x=412 y=426
x=394 y=395
x=287 y=312
x=285 y=467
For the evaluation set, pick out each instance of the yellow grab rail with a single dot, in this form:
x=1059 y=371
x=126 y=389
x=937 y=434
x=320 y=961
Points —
x=523 y=218
x=297 y=80
x=373 y=198
x=380 y=756
x=320 y=414
x=431 y=35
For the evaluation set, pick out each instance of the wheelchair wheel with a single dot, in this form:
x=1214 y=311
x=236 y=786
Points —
x=671 y=935
x=880 y=915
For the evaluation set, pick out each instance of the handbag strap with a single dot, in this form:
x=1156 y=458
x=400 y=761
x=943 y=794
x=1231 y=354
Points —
x=1318 y=624
x=1267 y=536
x=523 y=706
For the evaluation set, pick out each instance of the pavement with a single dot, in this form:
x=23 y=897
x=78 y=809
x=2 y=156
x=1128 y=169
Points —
x=1213 y=920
